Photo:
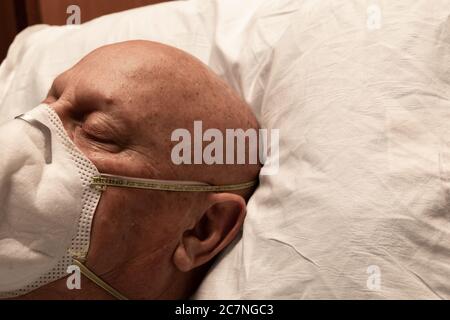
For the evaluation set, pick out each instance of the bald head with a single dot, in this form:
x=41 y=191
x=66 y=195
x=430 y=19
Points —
x=155 y=89
x=120 y=106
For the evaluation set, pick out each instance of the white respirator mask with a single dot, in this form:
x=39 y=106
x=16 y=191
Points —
x=46 y=202
x=49 y=192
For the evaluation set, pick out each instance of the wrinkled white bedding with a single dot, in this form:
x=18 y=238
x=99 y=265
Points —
x=361 y=93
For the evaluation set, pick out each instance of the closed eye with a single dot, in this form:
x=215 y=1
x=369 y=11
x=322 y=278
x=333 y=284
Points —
x=97 y=138
x=96 y=134
x=98 y=130
x=99 y=142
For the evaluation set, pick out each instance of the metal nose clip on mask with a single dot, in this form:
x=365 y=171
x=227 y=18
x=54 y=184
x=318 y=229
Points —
x=45 y=131
x=74 y=187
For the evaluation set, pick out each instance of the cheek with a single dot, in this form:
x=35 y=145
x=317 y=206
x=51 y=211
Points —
x=154 y=226
x=109 y=233
x=131 y=223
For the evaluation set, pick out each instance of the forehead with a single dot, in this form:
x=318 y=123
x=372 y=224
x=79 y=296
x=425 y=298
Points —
x=96 y=88
x=144 y=101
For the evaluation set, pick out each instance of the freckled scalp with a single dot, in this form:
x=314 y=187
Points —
x=155 y=89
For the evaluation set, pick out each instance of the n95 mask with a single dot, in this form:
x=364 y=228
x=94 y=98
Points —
x=46 y=202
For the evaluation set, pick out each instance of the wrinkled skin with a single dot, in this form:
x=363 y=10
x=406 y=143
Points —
x=120 y=105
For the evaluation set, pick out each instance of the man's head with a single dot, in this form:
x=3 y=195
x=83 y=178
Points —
x=120 y=105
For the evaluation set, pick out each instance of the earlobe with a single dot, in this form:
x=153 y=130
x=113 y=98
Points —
x=217 y=227
x=181 y=259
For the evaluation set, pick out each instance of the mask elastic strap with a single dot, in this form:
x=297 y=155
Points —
x=99 y=282
x=105 y=180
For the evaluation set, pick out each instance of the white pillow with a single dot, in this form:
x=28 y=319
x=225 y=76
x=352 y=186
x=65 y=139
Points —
x=214 y=31
x=360 y=207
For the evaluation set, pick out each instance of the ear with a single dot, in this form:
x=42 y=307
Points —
x=217 y=227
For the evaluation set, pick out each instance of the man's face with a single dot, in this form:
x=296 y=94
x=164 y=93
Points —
x=109 y=118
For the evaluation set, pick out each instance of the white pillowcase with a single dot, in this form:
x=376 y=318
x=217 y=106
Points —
x=214 y=31
x=361 y=206
x=360 y=91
